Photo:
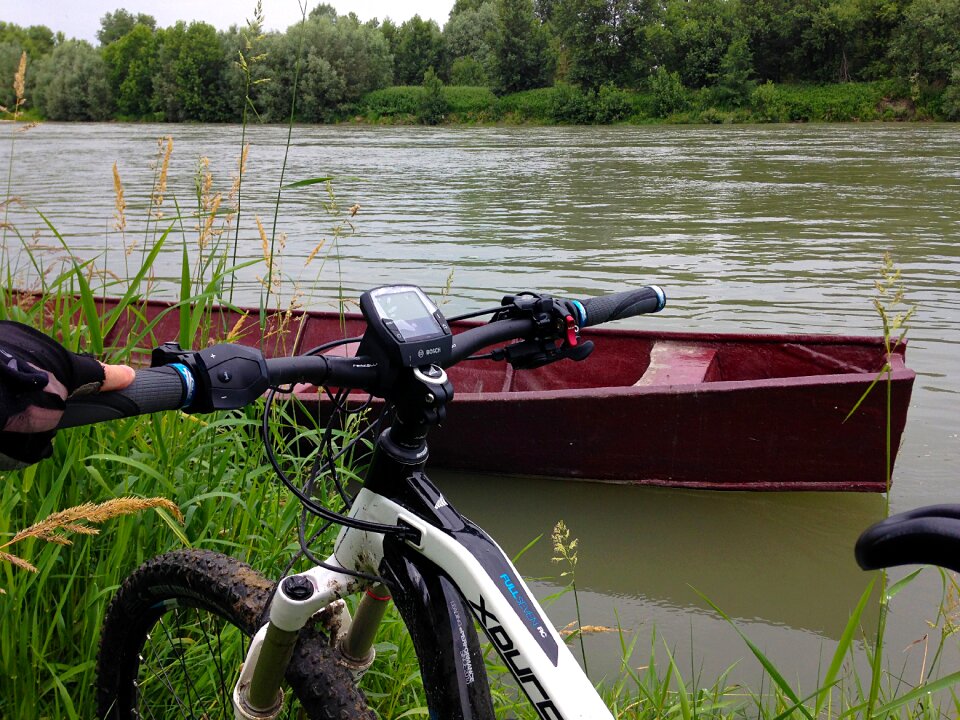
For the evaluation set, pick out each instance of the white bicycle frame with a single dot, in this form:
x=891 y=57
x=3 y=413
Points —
x=502 y=604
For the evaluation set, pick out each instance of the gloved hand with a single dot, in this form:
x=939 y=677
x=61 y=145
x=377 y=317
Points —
x=37 y=375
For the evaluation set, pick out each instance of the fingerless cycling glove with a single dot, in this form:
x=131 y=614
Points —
x=28 y=359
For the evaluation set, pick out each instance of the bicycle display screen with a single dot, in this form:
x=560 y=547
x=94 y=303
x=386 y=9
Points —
x=408 y=313
x=407 y=325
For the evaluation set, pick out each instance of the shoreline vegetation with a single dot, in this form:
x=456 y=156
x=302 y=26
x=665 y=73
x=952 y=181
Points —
x=562 y=104
x=577 y=62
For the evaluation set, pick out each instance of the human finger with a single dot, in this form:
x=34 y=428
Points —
x=116 y=377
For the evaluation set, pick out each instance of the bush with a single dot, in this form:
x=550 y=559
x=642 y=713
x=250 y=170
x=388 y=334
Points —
x=838 y=102
x=406 y=102
x=571 y=105
x=464 y=100
x=713 y=116
x=528 y=104
x=767 y=104
x=669 y=95
x=613 y=104
x=433 y=105
x=396 y=100
x=951 y=97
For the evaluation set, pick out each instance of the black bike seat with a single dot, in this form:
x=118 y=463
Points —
x=924 y=536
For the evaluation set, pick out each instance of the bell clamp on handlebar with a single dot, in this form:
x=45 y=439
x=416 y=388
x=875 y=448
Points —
x=227 y=377
x=556 y=334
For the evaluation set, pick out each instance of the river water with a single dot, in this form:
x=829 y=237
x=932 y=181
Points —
x=766 y=228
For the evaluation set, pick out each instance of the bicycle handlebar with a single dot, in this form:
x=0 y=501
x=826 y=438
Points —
x=598 y=310
x=169 y=387
x=924 y=536
x=152 y=390
x=172 y=387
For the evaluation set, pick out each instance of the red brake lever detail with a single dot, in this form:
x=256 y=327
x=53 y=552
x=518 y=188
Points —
x=572 y=339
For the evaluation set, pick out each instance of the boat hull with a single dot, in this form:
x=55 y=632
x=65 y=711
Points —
x=717 y=411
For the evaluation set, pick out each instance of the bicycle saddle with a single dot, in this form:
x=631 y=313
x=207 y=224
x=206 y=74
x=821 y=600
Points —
x=923 y=536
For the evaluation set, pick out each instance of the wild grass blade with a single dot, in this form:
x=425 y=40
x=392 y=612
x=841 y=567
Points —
x=87 y=300
x=771 y=669
x=307 y=182
x=133 y=286
x=879 y=376
x=902 y=583
x=843 y=647
x=526 y=547
x=682 y=694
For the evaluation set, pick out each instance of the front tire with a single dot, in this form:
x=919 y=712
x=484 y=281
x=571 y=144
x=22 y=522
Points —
x=177 y=631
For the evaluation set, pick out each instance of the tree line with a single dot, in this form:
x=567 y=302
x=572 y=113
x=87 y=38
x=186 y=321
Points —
x=193 y=72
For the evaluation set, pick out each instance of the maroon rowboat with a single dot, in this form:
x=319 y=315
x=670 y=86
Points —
x=730 y=412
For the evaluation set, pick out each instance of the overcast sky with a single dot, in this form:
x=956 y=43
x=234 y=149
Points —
x=81 y=18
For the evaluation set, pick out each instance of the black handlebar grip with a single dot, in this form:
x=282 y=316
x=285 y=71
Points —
x=598 y=310
x=923 y=536
x=152 y=390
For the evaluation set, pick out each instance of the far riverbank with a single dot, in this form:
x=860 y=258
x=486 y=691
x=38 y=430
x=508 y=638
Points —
x=562 y=104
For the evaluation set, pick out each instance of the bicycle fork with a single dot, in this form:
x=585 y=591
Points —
x=472 y=576
x=258 y=694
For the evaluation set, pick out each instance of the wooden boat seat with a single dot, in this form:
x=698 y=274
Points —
x=677 y=363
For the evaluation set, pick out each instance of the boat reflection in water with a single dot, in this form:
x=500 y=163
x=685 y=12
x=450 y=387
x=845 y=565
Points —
x=780 y=564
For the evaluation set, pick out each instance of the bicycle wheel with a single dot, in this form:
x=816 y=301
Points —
x=177 y=631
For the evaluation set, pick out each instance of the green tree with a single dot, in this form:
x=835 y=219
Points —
x=463 y=6
x=734 y=83
x=951 y=98
x=468 y=71
x=692 y=39
x=926 y=45
x=190 y=63
x=469 y=36
x=9 y=63
x=545 y=9
x=324 y=10
x=520 y=48
x=778 y=32
x=72 y=83
x=36 y=41
x=603 y=41
x=845 y=40
x=344 y=60
x=419 y=47
x=391 y=33
x=273 y=99
x=114 y=25
x=131 y=62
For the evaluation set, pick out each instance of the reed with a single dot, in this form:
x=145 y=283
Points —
x=565 y=548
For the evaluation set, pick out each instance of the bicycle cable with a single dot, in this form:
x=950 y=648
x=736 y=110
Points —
x=307 y=502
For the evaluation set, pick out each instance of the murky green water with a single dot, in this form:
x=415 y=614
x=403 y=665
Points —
x=777 y=229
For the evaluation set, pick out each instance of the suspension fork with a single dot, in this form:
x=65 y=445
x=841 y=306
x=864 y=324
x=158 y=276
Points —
x=315 y=595
x=356 y=645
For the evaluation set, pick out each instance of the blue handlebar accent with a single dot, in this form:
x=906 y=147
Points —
x=189 y=384
x=582 y=311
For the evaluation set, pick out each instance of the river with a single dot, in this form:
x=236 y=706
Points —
x=757 y=228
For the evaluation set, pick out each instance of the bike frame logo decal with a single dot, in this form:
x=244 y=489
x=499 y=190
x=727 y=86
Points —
x=462 y=647
x=524 y=675
x=524 y=608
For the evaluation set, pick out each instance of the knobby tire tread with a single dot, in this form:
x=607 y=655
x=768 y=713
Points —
x=235 y=592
